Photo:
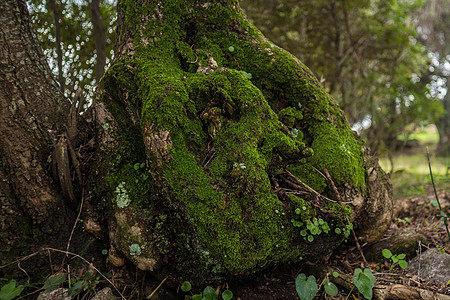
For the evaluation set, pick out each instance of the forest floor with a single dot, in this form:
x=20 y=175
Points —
x=415 y=218
x=415 y=215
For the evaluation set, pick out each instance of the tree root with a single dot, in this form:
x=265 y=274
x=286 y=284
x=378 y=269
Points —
x=380 y=291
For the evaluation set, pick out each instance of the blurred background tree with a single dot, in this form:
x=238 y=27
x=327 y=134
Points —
x=385 y=61
x=367 y=54
x=434 y=32
x=77 y=37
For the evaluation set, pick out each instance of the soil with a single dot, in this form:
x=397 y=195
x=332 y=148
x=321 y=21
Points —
x=278 y=282
x=414 y=213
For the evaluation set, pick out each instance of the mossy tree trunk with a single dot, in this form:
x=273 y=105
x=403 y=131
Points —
x=219 y=152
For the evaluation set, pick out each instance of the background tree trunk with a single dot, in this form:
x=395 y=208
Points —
x=32 y=113
x=99 y=38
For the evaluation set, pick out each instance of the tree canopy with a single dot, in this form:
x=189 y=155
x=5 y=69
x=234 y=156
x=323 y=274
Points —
x=367 y=55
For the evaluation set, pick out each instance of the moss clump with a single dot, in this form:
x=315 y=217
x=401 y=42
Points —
x=216 y=140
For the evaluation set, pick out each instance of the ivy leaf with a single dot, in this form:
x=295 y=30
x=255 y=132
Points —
x=186 y=286
x=227 y=295
x=306 y=288
x=209 y=294
x=364 y=282
x=10 y=291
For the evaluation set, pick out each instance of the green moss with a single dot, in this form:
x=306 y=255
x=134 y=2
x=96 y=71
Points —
x=227 y=134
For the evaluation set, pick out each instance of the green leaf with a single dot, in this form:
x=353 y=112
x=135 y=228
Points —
x=386 y=253
x=434 y=203
x=330 y=288
x=403 y=264
x=10 y=290
x=76 y=288
x=136 y=166
x=370 y=276
x=394 y=259
x=231 y=49
x=104 y=251
x=310 y=238
x=227 y=295
x=186 y=286
x=54 y=281
x=335 y=274
x=364 y=282
x=306 y=288
x=142 y=165
x=197 y=297
x=401 y=256
x=297 y=211
x=209 y=294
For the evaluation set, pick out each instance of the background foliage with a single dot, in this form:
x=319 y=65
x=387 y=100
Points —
x=385 y=61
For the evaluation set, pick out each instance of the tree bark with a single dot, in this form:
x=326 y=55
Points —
x=32 y=113
x=213 y=146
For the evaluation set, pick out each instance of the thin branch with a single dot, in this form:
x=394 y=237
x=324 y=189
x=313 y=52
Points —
x=332 y=185
x=358 y=246
x=151 y=295
x=308 y=187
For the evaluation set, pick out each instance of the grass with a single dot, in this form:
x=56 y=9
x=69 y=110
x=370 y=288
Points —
x=411 y=175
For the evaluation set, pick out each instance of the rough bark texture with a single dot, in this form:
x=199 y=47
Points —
x=31 y=112
x=220 y=153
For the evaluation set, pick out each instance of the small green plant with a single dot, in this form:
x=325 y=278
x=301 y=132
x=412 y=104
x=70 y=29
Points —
x=10 y=291
x=364 y=282
x=307 y=288
x=395 y=259
x=208 y=293
x=440 y=249
x=186 y=286
x=405 y=220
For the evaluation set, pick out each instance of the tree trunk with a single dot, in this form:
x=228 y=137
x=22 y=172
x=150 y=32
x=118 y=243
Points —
x=32 y=112
x=59 y=57
x=220 y=153
x=99 y=38
x=443 y=125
